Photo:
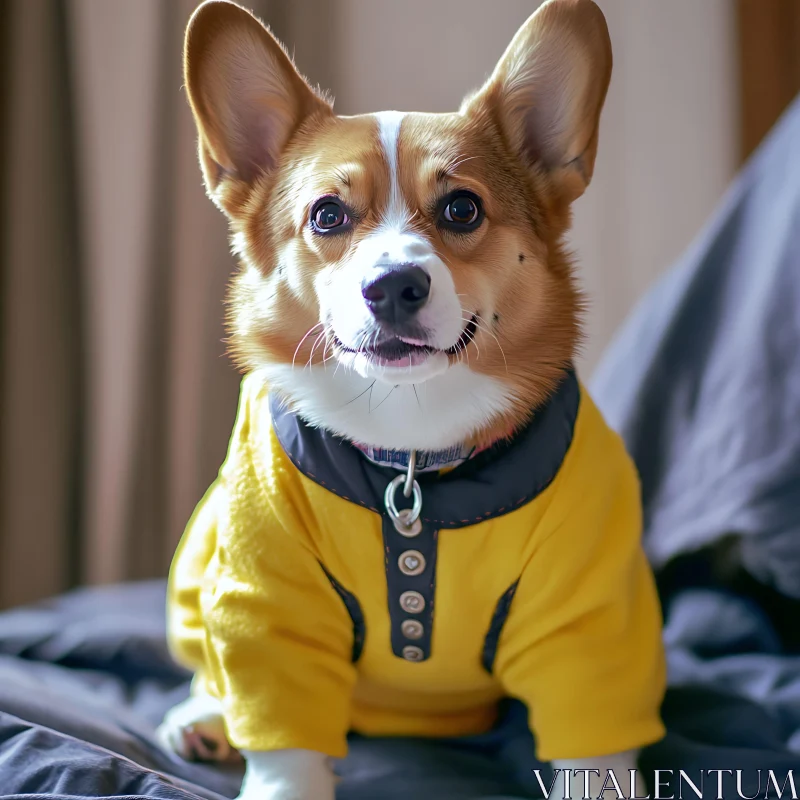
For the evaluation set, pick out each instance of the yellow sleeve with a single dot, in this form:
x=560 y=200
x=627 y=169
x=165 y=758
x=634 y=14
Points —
x=582 y=644
x=278 y=638
x=185 y=628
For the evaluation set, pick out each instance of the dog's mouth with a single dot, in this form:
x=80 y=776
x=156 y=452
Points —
x=400 y=351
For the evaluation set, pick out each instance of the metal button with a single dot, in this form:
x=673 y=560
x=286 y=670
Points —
x=412 y=629
x=411 y=562
x=404 y=528
x=412 y=653
x=412 y=602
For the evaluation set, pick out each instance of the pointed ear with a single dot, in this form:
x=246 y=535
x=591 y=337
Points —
x=246 y=95
x=548 y=89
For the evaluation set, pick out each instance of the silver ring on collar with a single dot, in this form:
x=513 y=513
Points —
x=406 y=522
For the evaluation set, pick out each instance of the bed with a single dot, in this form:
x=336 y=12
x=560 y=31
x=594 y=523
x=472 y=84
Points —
x=703 y=381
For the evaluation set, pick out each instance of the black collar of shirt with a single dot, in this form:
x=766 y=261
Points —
x=495 y=482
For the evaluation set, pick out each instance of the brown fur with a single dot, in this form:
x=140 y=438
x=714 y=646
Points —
x=526 y=162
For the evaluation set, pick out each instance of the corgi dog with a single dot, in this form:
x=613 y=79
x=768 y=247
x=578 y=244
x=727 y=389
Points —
x=421 y=512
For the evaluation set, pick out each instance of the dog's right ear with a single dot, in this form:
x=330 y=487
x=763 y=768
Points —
x=246 y=96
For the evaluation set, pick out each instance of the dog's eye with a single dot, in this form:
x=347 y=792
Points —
x=462 y=212
x=328 y=215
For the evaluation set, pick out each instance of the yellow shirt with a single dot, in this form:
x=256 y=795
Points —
x=253 y=608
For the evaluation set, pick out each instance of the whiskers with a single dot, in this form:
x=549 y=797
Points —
x=484 y=327
x=328 y=336
x=325 y=335
x=305 y=336
x=450 y=169
x=361 y=394
x=322 y=337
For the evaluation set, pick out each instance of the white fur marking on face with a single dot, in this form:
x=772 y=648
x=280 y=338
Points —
x=396 y=214
x=343 y=304
x=391 y=244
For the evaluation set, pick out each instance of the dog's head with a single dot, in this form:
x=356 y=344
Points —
x=403 y=280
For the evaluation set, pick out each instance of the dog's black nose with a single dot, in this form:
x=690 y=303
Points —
x=398 y=294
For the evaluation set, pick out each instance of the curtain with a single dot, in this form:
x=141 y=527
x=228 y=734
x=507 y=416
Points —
x=769 y=65
x=116 y=398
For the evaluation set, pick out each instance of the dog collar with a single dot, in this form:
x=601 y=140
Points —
x=426 y=461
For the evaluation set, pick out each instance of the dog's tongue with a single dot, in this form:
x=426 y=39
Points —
x=412 y=359
x=413 y=342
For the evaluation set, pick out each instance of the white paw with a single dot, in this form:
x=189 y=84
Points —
x=288 y=775
x=194 y=730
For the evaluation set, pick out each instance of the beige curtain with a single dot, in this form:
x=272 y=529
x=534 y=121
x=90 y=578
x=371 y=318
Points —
x=116 y=397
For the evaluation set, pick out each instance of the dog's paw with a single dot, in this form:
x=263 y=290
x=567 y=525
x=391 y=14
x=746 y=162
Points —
x=195 y=731
x=288 y=775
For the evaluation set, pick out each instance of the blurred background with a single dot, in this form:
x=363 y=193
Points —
x=116 y=399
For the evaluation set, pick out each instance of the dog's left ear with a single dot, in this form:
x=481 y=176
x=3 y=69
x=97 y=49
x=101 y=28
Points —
x=548 y=89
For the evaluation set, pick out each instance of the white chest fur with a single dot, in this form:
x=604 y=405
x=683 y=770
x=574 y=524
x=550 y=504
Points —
x=436 y=414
